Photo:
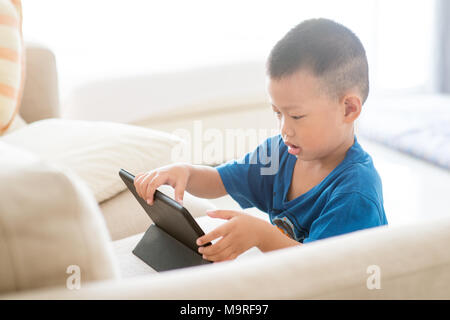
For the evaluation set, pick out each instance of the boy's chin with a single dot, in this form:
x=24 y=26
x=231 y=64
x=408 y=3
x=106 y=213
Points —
x=305 y=157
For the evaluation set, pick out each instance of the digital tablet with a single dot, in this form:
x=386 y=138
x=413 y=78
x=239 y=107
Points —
x=168 y=215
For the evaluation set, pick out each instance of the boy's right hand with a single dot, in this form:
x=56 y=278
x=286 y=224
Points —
x=175 y=175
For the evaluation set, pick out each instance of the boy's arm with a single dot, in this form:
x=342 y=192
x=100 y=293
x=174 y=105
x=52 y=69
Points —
x=205 y=182
x=273 y=239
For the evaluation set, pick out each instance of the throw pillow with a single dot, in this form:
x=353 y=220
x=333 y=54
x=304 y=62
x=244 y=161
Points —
x=96 y=150
x=12 y=62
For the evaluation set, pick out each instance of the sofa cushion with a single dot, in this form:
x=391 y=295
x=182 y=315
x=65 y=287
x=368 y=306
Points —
x=40 y=94
x=151 y=96
x=49 y=222
x=12 y=61
x=96 y=150
x=417 y=125
x=131 y=266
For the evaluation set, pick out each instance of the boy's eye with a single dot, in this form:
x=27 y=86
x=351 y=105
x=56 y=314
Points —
x=277 y=113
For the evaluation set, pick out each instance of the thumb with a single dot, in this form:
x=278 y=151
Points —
x=222 y=214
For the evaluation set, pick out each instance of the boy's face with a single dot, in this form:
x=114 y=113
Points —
x=312 y=124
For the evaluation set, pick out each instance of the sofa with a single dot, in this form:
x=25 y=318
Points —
x=64 y=213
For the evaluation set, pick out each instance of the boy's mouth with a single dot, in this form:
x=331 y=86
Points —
x=292 y=148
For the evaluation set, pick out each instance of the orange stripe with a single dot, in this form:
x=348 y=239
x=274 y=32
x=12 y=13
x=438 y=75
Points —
x=8 y=21
x=9 y=54
x=8 y=91
x=4 y=89
x=18 y=5
x=19 y=95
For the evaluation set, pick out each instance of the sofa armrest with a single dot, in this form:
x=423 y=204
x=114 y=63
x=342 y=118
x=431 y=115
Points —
x=49 y=221
x=413 y=262
x=40 y=97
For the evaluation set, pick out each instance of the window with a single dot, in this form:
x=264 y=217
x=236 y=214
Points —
x=102 y=38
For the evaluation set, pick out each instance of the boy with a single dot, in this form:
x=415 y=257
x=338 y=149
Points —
x=325 y=183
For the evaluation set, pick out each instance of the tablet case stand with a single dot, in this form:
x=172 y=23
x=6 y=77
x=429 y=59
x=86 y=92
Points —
x=163 y=252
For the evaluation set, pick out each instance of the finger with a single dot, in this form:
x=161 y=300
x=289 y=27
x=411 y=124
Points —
x=216 y=248
x=179 y=191
x=140 y=174
x=214 y=234
x=143 y=183
x=222 y=214
x=137 y=176
x=157 y=181
x=137 y=182
x=227 y=254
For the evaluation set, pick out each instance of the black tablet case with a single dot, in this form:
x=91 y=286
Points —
x=163 y=252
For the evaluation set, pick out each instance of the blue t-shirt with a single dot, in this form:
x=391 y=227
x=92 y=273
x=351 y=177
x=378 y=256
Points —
x=350 y=198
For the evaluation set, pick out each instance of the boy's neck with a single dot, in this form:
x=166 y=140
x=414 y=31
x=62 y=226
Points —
x=333 y=159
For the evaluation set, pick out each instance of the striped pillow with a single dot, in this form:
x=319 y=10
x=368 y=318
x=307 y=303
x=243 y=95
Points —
x=12 y=61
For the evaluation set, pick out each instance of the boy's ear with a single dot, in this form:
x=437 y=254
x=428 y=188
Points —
x=352 y=107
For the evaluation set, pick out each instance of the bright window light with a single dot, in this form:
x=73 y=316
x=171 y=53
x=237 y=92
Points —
x=94 y=39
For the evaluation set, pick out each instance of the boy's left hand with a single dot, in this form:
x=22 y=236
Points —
x=239 y=234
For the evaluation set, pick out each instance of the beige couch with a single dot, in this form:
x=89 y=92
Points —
x=410 y=261
x=40 y=102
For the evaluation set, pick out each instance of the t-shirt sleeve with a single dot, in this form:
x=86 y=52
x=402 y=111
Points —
x=344 y=213
x=249 y=180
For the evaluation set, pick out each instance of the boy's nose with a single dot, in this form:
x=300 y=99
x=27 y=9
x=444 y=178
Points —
x=286 y=131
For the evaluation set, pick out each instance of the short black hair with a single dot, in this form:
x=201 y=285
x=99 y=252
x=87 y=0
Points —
x=332 y=52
